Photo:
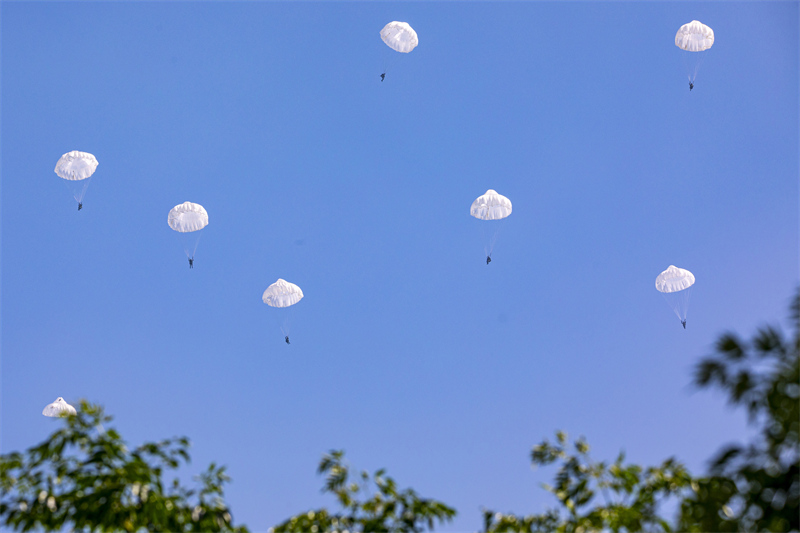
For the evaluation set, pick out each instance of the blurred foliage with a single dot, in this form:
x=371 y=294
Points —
x=84 y=478
x=383 y=508
x=754 y=487
x=749 y=488
x=596 y=496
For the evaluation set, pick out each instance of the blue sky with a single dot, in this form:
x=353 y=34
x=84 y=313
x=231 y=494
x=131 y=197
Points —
x=408 y=351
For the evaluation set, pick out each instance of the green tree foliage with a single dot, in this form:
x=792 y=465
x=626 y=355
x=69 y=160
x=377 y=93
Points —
x=595 y=496
x=84 y=477
x=383 y=508
x=754 y=487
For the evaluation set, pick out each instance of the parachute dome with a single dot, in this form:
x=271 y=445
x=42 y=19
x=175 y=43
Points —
x=76 y=165
x=187 y=217
x=491 y=206
x=674 y=279
x=694 y=37
x=58 y=407
x=282 y=294
x=399 y=36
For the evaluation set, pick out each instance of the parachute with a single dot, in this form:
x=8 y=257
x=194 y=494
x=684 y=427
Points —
x=76 y=168
x=399 y=36
x=188 y=219
x=282 y=294
x=694 y=37
x=59 y=408
x=675 y=283
x=490 y=207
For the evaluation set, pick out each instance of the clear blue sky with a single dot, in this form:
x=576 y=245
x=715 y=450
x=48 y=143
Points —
x=408 y=351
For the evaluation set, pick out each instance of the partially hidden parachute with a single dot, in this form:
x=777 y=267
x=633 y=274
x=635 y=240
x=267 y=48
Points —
x=694 y=37
x=76 y=168
x=283 y=294
x=188 y=219
x=399 y=36
x=675 y=284
x=59 y=408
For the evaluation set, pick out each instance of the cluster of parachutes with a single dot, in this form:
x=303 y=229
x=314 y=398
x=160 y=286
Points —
x=188 y=219
x=675 y=283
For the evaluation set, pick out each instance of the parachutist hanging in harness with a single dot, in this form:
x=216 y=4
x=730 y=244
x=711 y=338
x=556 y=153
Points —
x=76 y=169
x=188 y=219
x=691 y=86
x=287 y=339
x=676 y=285
x=383 y=76
x=488 y=259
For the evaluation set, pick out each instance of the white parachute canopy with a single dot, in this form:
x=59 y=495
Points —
x=188 y=219
x=282 y=294
x=76 y=165
x=675 y=283
x=491 y=206
x=59 y=408
x=399 y=36
x=76 y=168
x=694 y=37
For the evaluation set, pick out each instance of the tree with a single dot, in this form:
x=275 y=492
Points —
x=385 y=509
x=749 y=488
x=754 y=487
x=85 y=478
x=630 y=494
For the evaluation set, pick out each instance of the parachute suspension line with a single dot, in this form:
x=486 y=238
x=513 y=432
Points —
x=189 y=241
x=284 y=319
x=491 y=241
x=698 y=63
x=77 y=188
x=678 y=302
x=85 y=186
x=692 y=61
x=196 y=242
x=684 y=303
x=388 y=61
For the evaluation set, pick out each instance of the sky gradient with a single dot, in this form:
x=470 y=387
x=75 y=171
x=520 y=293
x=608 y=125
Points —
x=408 y=351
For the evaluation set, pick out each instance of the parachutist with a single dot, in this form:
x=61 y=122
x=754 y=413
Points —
x=287 y=339
x=691 y=86
x=683 y=322
x=80 y=206
x=488 y=259
x=191 y=262
x=383 y=76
